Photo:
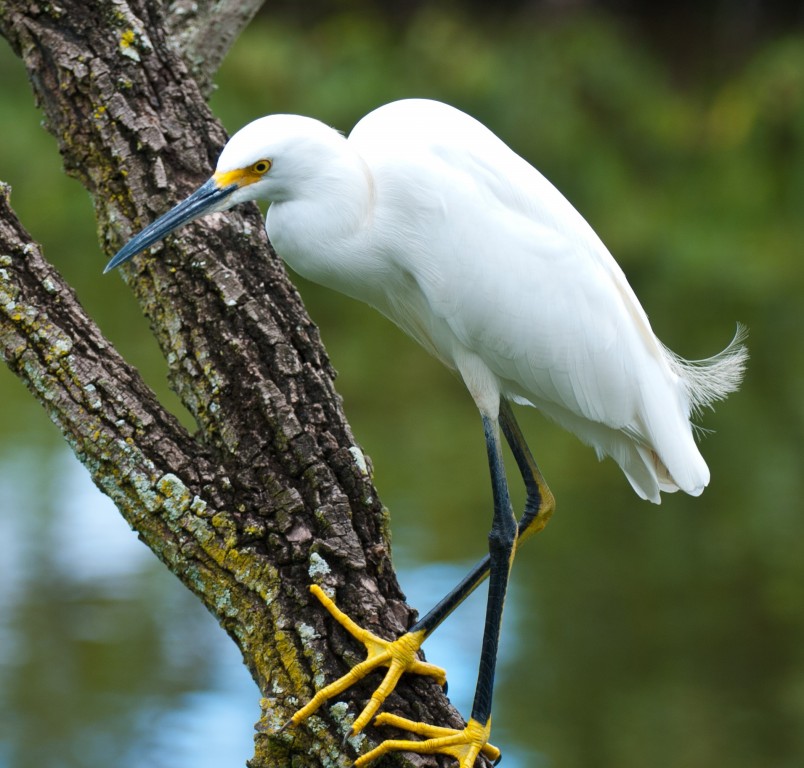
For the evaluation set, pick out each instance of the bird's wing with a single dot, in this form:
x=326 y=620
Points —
x=506 y=266
x=490 y=263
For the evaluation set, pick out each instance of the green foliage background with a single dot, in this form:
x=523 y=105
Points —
x=639 y=636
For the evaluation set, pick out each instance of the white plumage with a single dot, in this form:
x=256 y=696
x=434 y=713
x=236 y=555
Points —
x=426 y=215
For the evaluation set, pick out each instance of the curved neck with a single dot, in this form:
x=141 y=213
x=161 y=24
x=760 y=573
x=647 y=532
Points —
x=321 y=229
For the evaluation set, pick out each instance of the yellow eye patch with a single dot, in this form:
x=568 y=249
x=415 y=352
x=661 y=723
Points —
x=242 y=177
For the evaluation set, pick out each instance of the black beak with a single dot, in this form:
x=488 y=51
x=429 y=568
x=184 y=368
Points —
x=209 y=197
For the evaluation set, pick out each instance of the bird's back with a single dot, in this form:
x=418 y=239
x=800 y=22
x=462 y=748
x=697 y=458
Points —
x=491 y=261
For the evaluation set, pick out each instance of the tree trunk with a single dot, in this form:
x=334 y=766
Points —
x=269 y=494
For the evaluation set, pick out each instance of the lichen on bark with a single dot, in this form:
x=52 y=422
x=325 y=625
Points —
x=271 y=492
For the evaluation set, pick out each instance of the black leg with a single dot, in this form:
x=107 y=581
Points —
x=540 y=502
x=502 y=545
x=467 y=743
x=400 y=655
x=539 y=506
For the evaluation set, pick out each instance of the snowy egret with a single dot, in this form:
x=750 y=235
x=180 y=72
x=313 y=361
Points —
x=426 y=215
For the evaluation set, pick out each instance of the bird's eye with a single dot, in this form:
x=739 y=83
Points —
x=261 y=167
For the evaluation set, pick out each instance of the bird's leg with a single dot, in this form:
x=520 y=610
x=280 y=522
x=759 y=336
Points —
x=467 y=743
x=539 y=506
x=540 y=502
x=400 y=655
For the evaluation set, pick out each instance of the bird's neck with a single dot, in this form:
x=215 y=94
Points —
x=322 y=230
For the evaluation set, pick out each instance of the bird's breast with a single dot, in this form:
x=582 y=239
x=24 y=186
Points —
x=327 y=247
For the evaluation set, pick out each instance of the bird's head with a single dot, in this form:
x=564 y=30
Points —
x=270 y=159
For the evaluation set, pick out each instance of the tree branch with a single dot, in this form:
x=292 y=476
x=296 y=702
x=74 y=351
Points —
x=204 y=30
x=267 y=496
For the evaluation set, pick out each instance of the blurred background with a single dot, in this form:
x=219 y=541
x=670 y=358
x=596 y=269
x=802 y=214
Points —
x=634 y=635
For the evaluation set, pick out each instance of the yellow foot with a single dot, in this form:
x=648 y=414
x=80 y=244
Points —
x=398 y=655
x=463 y=745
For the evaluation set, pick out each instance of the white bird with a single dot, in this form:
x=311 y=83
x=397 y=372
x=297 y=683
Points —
x=427 y=216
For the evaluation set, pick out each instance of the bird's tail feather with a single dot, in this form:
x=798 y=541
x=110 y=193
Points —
x=670 y=461
x=707 y=381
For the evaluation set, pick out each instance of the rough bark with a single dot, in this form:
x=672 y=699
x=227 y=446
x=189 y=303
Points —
x=269 y=494
x=202 y=32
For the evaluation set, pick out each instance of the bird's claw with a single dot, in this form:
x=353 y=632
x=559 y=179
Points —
x=398 y=655
x=464 y=745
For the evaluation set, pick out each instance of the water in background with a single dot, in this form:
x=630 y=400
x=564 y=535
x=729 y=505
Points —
x=103 y=652
x=634 y=635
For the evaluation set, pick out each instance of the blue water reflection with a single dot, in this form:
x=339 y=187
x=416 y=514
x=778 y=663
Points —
x=103 y=654
x=92 y=624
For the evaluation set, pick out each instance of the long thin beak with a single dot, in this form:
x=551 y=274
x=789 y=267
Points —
x=209 y=197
